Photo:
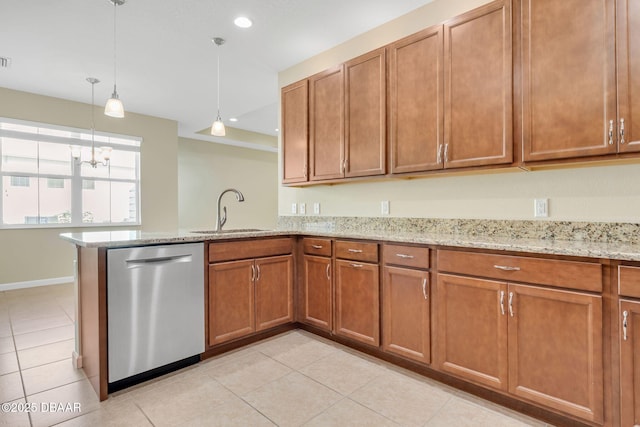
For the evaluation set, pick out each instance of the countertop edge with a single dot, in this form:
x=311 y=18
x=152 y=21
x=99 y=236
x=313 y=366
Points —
x=614 y=251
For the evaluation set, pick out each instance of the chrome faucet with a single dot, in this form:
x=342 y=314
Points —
x=221 y=220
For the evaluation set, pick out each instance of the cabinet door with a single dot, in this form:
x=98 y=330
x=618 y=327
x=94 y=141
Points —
x=630 y=362
x=568 y=78
x=406 y=321
x=628 y=27
x=472 y=329
x=365 y=115
x=326 y=124
x=478 y=117
x=231 y=301
x=357 y=301
x=294 y=100
x=317 y=295
x=274 y=291
x=555 y=349
x=416 y=100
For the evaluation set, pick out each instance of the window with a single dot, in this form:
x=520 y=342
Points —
x=42 y=185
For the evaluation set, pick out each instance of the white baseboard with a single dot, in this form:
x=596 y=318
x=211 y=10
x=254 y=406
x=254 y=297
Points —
x=34 y=283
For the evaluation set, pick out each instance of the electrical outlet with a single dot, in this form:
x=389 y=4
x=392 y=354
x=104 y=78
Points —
x=384 y=207
x=302 y=208
x=541 y=208
x=294 y=208
x=316 y=208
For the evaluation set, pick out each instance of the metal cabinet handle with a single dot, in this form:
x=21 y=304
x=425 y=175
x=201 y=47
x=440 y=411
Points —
x=356 y=265
x=329 y=271
x=511 y=304
x=439 y=155
x=446 y=153
x=258 y=273
x=253 y=273
x=316 y=246
x=506 y=268
x=424 y=287
x=502 y=302
x=625 y=315
x=304 y=170
x=355 y=251
x=621 y=131
x=405 y=256
x=610 y=132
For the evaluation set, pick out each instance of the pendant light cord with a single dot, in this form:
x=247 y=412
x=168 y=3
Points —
x=218 y=92
x=93 y=124
x=115 y=5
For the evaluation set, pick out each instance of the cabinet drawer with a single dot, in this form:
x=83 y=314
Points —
x=567 y=274
x=357 y=251
x=314 y=246
x=244 y=249
x=406 y=256
x=629 y=281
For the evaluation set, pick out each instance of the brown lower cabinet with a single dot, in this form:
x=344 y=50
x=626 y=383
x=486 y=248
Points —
x=630 y=362
x=317 y=307
x=248 y=296
x=540 y=344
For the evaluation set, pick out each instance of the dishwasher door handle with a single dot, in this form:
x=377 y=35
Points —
x=132 y=263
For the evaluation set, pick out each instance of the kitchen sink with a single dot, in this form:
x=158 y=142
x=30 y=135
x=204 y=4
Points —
x=232 y=230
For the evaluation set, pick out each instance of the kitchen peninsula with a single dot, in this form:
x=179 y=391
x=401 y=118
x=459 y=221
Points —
x=504 y=286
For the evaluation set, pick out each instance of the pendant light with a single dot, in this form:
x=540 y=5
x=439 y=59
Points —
x=97 y=159
x=114 y=107
x=217 y=129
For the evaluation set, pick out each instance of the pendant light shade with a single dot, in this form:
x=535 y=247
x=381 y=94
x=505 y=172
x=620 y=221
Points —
x=217 y=129
x=114 y=107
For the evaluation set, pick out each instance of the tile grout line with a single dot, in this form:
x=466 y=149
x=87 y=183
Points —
x=15 y=348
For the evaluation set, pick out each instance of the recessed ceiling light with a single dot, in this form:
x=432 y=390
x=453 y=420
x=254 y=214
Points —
x=277 y=130
x=243 y=22
x=233 y=119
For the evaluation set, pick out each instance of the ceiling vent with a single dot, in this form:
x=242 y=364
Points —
x=5 y=62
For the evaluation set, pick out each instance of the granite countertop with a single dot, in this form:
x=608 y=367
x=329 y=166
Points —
x=579 y=248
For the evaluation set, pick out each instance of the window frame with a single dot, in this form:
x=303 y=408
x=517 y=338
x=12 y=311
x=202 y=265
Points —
x=122 y=143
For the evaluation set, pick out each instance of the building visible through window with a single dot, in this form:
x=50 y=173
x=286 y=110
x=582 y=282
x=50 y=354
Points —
x=42 y=184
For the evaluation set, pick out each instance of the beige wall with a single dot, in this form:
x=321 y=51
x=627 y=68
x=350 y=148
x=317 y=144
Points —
x=206 y=169
x=605 y=193
x=37 y=254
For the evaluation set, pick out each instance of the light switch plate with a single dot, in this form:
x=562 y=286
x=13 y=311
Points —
x=302 y=208
x=541 y=208
x=316 y=208
x=384 y=207
x=294 y=208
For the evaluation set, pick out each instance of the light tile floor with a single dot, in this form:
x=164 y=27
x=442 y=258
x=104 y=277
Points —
x=294 y=379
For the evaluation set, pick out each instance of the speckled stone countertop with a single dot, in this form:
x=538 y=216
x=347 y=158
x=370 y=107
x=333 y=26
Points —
x=593 y=240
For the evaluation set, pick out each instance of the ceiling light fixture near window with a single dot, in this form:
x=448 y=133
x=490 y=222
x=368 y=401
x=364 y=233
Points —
x=114 y=107
x=217 y=129
x=243 y=22
x=104 y=155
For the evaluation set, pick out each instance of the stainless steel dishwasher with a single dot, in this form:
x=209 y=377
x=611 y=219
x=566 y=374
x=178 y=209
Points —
x=155 y=297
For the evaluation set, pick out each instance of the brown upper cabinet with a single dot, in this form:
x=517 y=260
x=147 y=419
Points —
x=416 y=101
x=326 y=124
x=569 y=100
x=478 y=86
x=365 y=114
x=294 y=132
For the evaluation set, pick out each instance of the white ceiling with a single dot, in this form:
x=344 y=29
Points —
x=166 y=62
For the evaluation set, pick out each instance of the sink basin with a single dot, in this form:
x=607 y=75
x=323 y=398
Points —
x=232 y=230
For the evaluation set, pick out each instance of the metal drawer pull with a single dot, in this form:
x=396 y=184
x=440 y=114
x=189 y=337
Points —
x=621 y=131
x=253 y=273
x=511 y=304
x=316 y=246
x=502 y=302
x=625 y=314
x=356 y=265
x=506 y=268
x=258 y=274
x=355 y=251
x=610 y=132
x=405 y=256
x=424 y=287
x=329 y=271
